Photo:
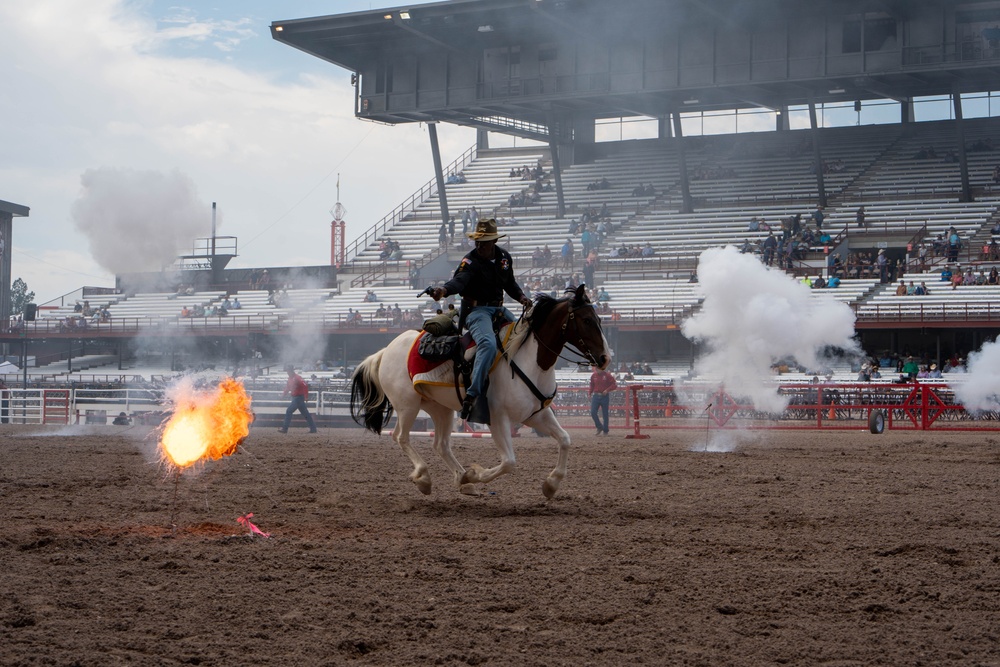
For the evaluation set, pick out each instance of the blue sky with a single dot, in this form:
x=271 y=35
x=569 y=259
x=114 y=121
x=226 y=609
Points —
x=158 y=101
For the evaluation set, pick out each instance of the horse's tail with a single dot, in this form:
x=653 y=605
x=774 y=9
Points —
x=369 y=405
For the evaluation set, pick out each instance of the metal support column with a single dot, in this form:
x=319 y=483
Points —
x=686 y=204
x=438 y=174
x=556 y=167
x=817 y=155
x=963 y=162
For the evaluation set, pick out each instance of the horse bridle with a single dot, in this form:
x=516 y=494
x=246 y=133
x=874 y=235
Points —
x=582 y=349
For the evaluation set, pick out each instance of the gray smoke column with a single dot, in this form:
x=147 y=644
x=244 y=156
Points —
x=139 y=220
x=753 y=316
x=979 y=387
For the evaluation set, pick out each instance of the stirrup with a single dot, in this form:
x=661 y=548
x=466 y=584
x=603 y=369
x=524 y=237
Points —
x=467 y=404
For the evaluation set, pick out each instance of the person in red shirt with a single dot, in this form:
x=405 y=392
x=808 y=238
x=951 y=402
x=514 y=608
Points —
x=602 y=383
x=299 y=390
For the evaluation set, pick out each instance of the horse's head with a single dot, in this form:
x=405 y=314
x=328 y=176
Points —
x=573 y=321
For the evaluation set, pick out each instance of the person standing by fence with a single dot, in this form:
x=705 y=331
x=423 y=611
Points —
x=602 y=383
x=299 y=390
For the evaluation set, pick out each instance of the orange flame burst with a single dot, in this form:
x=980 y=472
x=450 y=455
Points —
x=206 y=425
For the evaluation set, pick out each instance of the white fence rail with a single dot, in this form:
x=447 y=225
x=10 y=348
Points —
x=100 y=406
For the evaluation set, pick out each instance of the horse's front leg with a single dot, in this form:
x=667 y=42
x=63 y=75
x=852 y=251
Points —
x=500 y=430
x=546 y=422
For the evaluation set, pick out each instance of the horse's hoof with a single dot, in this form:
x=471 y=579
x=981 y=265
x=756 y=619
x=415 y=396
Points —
x=471 y=476
x=549 y=489
x=424 y=485
x=469 y=489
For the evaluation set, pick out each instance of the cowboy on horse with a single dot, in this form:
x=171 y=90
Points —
x=482 y=277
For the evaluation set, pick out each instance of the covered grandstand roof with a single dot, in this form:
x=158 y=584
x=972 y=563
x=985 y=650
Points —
x=923 y=50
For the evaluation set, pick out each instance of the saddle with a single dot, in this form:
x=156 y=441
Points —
x=427 y=363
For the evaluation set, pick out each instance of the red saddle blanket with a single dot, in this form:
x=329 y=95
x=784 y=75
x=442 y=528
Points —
x=440 y=373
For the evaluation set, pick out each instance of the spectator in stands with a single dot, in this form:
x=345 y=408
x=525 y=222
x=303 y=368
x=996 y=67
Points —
x=371 y=297
x=957 y=278
x=590 y=268
x=883 y=266
x=833 y=282
x=911 y=289
x=443 y=235
x=770 y=245
x=754 y=224
x=922 y=256
x=603 y=296
x=921 y=290
x=536 y=258
x=817 y=217
x=969 y=278
x=933 y=372
x=299 y=391
x=647 y=250
x=586 y=238
x=567 y=254
x=185 y=312
x=264 y=282
x=121 y=420
x=910 y=368
x=954 y=245
x=859 y=217
x=946 y=274
x=819 y=283
x=836 y=267
x=236 y=303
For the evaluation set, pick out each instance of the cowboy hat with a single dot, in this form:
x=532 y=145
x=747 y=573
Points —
x=486 y=230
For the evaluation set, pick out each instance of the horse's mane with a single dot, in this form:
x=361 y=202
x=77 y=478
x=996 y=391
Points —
x=543 y=307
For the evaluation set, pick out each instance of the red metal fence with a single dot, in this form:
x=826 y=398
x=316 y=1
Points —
x=911 y=406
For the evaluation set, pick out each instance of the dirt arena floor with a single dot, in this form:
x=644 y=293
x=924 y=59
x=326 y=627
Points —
x=795 y=549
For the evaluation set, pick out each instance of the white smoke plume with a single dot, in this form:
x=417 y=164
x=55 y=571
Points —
x=979 y=388
x=753 y=316
x=139 y=220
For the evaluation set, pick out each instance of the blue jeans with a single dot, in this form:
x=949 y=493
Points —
x=598 y=401
x=479 y=322
x=298 y=403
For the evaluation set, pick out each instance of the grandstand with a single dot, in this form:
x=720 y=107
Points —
x=916 y=180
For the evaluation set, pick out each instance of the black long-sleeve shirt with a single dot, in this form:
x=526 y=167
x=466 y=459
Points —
x=484 y=281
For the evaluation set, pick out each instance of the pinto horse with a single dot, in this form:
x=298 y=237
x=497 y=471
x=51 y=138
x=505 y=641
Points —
x=522 y=385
